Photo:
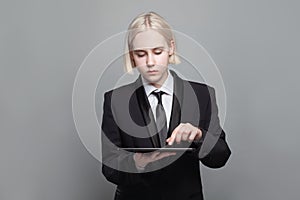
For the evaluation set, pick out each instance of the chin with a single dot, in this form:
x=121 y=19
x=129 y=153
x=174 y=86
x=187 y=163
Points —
x=153 y=79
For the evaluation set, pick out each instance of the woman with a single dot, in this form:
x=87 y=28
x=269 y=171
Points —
x=159 y=109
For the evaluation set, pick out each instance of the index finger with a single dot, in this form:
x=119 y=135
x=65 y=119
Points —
x=171 y=139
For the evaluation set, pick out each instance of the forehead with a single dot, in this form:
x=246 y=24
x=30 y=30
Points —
x=149 y=39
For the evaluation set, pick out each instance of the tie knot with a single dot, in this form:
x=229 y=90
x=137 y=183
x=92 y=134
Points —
x=158 y=95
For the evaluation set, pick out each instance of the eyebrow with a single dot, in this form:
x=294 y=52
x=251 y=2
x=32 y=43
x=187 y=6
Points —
x=142 y=50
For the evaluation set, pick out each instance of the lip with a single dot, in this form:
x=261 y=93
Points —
x=152 y=71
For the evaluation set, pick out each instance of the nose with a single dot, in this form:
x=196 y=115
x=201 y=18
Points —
x=150 y=60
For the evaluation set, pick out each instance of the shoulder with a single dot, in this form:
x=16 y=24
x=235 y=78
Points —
x=122 y=90
x=204 y=92
x=201 y=87
x=197 y=86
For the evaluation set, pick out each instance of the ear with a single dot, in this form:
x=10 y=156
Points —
x=172 y=47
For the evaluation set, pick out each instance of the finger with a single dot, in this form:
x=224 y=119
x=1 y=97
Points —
x=154 y=154
x=199 y=134
x=192 y=136
x=171 y=139
x=178 y=137
x=185 y=136
x=171 y=153
x=165 y=154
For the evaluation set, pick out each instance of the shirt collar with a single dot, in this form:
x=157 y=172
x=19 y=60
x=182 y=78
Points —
x=167 y=86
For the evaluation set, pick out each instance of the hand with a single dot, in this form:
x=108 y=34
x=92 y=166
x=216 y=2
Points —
x=184 y=132
x=143 y=159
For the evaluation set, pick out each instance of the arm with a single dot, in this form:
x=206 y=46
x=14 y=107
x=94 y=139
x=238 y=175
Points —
x=214 y=151
x=116 y=164
x=209 y=140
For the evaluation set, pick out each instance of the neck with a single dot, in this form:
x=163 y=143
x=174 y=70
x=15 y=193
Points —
x=160 y=83
x=157 y=85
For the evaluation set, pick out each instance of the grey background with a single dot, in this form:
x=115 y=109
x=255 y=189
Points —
x=255 y=44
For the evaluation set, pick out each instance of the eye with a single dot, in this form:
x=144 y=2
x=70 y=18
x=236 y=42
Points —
x=140 y=55
x=157 y=52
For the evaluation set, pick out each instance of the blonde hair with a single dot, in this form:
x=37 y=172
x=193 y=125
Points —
x=142 y=22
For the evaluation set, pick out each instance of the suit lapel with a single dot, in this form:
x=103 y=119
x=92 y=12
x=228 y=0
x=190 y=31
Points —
x=185 y=106
x=146 y=113
x=177 y=102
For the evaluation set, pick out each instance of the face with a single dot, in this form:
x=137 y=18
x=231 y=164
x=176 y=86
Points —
x=151 y=56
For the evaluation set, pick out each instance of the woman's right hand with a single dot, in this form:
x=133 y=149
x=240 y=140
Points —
x=143 y=159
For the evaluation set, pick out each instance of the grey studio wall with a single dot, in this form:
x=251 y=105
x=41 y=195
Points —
x=42 y=44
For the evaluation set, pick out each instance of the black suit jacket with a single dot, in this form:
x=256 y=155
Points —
x=128 y=122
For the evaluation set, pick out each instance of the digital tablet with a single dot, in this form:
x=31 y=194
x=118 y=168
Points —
x=166 y=149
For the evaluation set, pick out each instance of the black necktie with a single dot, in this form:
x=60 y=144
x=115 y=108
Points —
x=161 y=119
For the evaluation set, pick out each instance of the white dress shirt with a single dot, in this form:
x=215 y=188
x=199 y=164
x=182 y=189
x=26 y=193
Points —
x=167 y=98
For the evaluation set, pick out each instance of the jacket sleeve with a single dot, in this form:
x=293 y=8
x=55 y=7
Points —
x=213 y=149
x=118 y=166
